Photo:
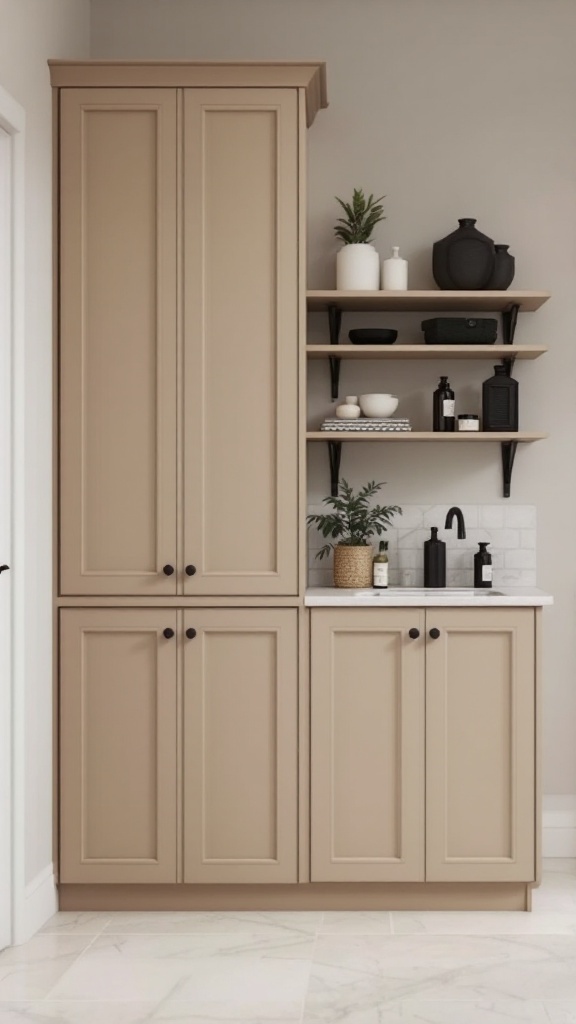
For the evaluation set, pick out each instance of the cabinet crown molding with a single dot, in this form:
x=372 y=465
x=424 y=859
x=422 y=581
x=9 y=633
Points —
x=180 y=74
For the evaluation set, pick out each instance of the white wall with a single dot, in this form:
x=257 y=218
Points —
x=452 y=108
x=31 y=31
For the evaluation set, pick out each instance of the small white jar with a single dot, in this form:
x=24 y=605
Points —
x=468 y=421
x=350 y=410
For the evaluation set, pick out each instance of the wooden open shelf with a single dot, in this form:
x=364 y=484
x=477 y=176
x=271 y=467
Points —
x=425 y=351
x=433 y=300
x=423 y=435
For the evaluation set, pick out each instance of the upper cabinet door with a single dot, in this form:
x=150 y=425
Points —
x=480 y=745
x=240 y=258
x=118 y=314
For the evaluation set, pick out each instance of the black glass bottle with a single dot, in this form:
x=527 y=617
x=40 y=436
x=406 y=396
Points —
x=434 y=560
x=500 y=401
x=444 y=418
x=483 y=567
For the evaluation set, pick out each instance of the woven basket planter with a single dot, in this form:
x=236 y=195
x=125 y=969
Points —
x=352 y=566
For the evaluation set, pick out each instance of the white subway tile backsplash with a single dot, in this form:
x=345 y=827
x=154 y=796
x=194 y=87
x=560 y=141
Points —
x=505 y=538
x=522 y=516
x=522 y=558
x=510 y=531
x=491 y=516
x=527 y=539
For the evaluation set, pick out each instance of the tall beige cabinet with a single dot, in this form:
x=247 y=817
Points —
x=180 y=282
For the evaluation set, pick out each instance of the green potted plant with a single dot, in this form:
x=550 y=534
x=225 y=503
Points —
x=358 y=263
x=351 y=524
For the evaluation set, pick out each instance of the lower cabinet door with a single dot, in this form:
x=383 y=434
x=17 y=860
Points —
x=480 y=682
x=367 y=683
x=118 y=736
x=240 y=745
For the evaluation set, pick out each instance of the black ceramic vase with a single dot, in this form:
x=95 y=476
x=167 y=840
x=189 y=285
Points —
x=464 y=260
x=504 y=269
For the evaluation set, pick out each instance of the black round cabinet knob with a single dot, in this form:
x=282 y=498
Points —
x=3 y=568
x=168 y=633
x=190 y=570
x=413 y=633
x=190 y=633
x=168 y=570
x=434 y=633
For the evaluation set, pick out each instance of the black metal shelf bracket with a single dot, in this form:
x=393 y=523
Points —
x=508 y=456
x=335 y=455
x=509 y=322
x=334 y=325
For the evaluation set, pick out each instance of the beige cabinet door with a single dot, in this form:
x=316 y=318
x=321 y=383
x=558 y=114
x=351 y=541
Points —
x=240 y=745
x=118 y=741
x=241 y=307
x=367 y=681
x=118 y=291
x=480 y=801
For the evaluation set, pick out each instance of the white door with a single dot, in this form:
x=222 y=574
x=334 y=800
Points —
x=6 y=271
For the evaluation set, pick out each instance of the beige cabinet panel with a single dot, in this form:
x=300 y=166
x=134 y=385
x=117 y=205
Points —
x=480 y=790
x=241 y=307
x=118 y=314
x=240 y=745
x=118 y=741
x=367 y=681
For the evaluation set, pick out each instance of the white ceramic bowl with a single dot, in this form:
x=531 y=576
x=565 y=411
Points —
x=378 y=406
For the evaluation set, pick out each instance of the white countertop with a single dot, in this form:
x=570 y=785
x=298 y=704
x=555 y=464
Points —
x=404 y=597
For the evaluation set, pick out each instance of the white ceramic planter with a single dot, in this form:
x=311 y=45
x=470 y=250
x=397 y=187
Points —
x=358 y=268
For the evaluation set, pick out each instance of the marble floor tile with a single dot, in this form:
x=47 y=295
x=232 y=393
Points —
x=76 y=922
x=31 y=970
x=82 y=1012
x=356 y=922
x=357 y=973
x=210 y=971
x=416 y=1011
x=407 y=922
x=269 y=923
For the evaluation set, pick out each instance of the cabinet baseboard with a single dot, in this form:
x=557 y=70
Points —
x=315 y=896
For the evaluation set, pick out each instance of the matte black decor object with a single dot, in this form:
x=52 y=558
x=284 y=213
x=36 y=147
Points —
x=444 y=407
x=372 y=336
x=500 y=401
x=434 y=560
x=504 y=269
x=459 y=330
x=464 y=260
x=483 y=567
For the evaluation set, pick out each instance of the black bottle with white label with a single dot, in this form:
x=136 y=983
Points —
x=444 y=417
x=483 y=567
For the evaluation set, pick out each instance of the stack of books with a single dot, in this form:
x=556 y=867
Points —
x=367 y=424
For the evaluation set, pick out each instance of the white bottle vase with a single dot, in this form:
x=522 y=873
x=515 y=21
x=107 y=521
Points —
x=358 y=268
x=395 y=272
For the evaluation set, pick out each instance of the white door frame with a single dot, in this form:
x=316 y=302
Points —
x=12 y=690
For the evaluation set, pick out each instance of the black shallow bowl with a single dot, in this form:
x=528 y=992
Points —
x=372 y=336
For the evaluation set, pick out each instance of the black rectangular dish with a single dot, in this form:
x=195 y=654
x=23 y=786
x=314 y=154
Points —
x=456 y=330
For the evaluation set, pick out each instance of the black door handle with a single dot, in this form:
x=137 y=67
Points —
x=190 y=633
x=168 y=570
x=434 y=633
x=3 y=568
x=190 y=570
x=168 y=633
x=414 y=633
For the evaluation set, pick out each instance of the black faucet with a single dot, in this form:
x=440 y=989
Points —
x=454 y=511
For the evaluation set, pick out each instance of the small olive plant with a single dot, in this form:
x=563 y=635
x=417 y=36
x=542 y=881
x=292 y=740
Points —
x=362 y=216
x=353 y=522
